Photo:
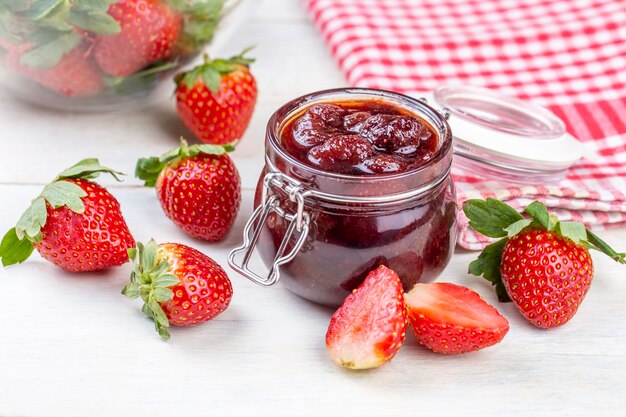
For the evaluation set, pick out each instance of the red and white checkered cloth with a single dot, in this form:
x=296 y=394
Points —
x=568 y=55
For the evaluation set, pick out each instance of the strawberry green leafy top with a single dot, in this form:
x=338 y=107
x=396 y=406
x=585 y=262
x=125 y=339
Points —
x=17 y=244
x=200 y=18
x=151 y=280
x=495 y=219
x=211 y=71
x=148 y=169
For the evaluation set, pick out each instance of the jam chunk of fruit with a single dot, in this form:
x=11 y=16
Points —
x=341 y=153
x=393 y=133
x=320 y=122
x=359 y=138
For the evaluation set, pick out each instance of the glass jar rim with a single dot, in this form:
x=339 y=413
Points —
x=417 y=106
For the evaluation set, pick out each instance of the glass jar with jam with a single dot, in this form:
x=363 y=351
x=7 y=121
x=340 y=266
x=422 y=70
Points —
x=354 y=179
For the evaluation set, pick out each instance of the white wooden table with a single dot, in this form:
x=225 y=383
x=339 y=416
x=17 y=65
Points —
x=71 y=345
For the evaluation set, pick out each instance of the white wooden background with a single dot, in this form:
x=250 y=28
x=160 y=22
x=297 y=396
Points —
x=71 y=345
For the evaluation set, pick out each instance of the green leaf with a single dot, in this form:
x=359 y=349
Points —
x=572 y=230
x=148 y=169
x=204 y=9
x=14 y=250
x=488 y=265
x=160 y=269
x=553 y=220
x=490 y=217
x=166 y=280
x=602 y=246
x=95 y=21
x=190 y=78
x=148 y=256
x=162 y=330
x=36 y=238
x=58 y=20
x=94 y=5
x=200 y=20
x=65 y=193
x=517 y=227
x=539 y=213
x=146 y=310
x=7 y=31
x=144 y=292
x=223 y=66
x=241 y=59
x=211 y=149
x=157 y=311
x=132 y=254
x=212 y=78
x=211 y=71
x=32 y=220
x=38 y=9
x=87 y=169
x=139 y=248
x=49 y=54
x=153 y=279
x=131 y=290
x=162 y=295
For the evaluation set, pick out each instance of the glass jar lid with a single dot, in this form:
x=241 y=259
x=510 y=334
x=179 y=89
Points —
x=505 y=138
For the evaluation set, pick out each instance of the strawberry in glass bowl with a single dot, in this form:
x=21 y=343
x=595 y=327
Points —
x=105 y=55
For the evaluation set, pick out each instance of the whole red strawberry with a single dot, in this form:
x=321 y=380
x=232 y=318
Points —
x=450 y=319
x=370 y=326
x=198 y=187
x=178 y=284
x=149 y=29
x=216 y=99
x=540 y=263
x=74 y=223
x=74 y=75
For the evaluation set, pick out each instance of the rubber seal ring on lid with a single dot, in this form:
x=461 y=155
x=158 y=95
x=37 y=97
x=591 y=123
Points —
x=500 y=112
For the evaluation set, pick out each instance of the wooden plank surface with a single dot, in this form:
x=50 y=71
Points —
x=73 y=346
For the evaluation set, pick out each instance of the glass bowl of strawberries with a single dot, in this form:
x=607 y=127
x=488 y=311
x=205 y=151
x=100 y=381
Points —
x=106 y=55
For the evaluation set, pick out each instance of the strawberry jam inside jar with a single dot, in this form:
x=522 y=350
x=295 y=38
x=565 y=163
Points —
x=354 y=179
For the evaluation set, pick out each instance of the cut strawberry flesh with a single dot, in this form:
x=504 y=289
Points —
x=449 y=318
x=453 y=304
x=370 y=326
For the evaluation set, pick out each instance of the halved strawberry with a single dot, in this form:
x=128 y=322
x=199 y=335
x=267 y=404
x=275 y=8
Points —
x=369 y=327
x=448 y=318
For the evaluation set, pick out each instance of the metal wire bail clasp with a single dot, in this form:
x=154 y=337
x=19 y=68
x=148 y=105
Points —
x=298 y=223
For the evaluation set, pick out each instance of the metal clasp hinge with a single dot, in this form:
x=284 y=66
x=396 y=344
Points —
x=298 y=223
